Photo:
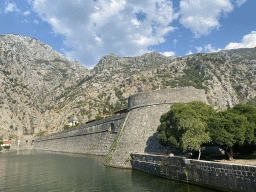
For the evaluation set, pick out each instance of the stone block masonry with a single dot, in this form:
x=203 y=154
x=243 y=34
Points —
x=24 y=143
x=139 y=134
x=218 y=175
x=94 y=138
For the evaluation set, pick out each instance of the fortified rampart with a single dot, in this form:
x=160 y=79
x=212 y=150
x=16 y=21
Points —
x=27 y=142
x=220 y=175
x=166 y=96
x=139 y=134
x=94 y=138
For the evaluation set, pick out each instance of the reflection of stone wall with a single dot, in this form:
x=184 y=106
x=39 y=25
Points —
x=140 y=131
x=94 y=138
x=227 y=176
x=27 y=142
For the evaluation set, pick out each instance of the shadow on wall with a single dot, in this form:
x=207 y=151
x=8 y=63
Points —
x=153 y=146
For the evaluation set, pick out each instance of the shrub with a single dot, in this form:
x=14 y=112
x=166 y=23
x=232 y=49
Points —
x=97 y=118
x=66 y=127
x=41 y=133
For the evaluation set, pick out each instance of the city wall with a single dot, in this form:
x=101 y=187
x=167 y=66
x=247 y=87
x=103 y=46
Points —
x=94 y=138
x=218 y=175
x=139 y=134
x=24 y=143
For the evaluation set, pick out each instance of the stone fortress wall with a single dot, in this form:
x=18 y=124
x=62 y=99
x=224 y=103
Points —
x=139 y=134
x=94 y=138
x=26 y=142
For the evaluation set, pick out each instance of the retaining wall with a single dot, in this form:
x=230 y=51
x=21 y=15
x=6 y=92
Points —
x=94 y=138
x=220 y=175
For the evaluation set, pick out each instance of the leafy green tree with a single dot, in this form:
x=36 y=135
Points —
x=194 y=135
x=234 y=127
x=250 y=113
x=228 y=129
x=190 y=125
x=179 y=127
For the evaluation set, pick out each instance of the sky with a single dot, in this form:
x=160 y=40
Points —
x=87 y=30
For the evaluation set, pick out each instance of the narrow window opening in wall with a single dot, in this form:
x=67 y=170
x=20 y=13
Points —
x=26 y=142
x=32 y=143
x=112 y=128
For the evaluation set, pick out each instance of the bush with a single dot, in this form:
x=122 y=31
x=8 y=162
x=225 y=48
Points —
x=41 y=133
x=97 y=118
x=7 y=147
x=66 y=127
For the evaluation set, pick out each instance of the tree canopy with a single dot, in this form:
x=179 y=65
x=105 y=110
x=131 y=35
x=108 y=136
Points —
x=190 y=125
x=185 y=125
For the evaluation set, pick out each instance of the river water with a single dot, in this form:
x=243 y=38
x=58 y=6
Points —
x=50 y=171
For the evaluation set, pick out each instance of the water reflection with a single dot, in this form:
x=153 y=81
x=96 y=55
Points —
x=50 y=171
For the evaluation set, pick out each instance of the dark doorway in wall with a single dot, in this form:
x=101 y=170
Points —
x=112 y=128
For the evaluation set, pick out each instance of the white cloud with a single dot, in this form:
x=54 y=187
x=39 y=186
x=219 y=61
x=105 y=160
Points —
x=248 y=41
x=11 y=7
x=168 y=54
x=26 y=13
x=36 y=21
x=25 y=21
x=240 y=2
x=199 y=49
x=96 y=28
x=209 y=49
x=189 y=52
x=201 y=16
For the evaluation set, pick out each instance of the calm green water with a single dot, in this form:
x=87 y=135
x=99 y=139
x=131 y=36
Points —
x=49 y=171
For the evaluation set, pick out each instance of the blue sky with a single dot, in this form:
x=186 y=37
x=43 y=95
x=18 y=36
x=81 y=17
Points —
x=86 y=30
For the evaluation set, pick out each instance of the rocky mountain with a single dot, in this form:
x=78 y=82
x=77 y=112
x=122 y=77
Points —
x=41 y=89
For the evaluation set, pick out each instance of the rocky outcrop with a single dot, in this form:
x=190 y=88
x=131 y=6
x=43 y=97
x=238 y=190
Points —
x=41 y=89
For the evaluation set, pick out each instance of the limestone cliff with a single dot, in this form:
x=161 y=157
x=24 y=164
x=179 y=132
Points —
x=41 y=89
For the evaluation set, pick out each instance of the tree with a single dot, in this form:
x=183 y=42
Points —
x=194 y=135
x=228 y=129
x=185 y=125
x=250 y=113
x=193 y=124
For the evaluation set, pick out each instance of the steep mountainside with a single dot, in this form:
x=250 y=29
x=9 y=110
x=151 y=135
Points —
x=41 y=89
